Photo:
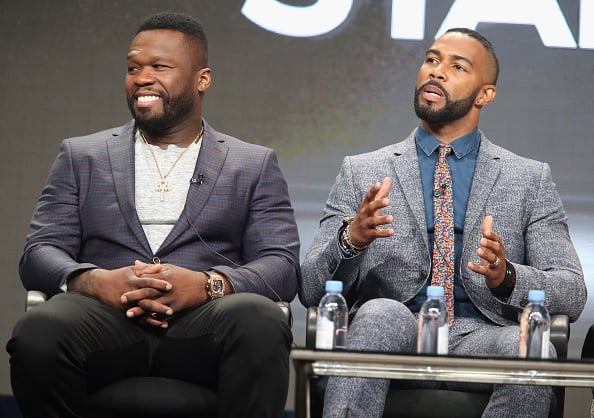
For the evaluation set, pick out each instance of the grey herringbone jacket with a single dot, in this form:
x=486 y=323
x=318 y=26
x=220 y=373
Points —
x=518 y=192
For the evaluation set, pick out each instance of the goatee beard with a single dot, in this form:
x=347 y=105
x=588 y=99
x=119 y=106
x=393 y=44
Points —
x=453 y=110
x=174 y=111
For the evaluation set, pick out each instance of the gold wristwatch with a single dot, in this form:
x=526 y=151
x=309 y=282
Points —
x=215 y=285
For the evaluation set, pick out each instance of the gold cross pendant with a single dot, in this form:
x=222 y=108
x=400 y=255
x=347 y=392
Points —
x=162 y=187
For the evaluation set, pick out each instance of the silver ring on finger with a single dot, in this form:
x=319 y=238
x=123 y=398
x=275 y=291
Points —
x=496 y=263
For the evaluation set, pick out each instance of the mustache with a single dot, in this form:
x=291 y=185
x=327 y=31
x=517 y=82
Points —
x=434 y=84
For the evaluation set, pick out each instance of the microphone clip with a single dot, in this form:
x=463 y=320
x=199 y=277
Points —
x=199 y=180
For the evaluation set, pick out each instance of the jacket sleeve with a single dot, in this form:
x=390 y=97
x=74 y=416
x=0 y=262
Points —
x=550 y=260
x=54 y=237
x=324 y=260
x=270 y=239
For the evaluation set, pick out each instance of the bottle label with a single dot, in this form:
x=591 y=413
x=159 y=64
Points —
x=432 y=339
x=546 y=337
x=442 y=339
x=523 y=339
x=534 y=337
x=324 y=334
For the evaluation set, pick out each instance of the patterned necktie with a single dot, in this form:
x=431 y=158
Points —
x=443 y=238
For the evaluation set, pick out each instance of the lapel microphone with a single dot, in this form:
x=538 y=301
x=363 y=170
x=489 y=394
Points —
x=199 y=180
x=440 y=189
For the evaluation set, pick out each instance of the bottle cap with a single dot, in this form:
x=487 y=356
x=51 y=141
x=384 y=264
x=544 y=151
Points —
x=334 y=286
x=434 y=291
x=536 y=296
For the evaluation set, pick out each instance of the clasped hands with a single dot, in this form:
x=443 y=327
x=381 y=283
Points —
x=162 y=290
x=365 y=229
x=149 y=292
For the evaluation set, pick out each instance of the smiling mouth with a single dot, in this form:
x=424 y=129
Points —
x=147 y=99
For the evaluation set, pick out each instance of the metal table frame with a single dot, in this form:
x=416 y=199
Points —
x=310 y=363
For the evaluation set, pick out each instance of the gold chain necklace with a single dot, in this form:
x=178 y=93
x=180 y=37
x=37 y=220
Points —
x=163 y=185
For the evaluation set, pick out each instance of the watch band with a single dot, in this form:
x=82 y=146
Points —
x=506 y=287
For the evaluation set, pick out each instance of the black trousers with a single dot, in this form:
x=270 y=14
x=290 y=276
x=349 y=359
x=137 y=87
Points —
x=73 y=344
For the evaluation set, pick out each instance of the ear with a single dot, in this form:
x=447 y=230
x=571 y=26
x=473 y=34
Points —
x=203 y=80
x=486 y=95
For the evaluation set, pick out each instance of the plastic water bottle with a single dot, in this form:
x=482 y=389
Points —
x=433 y=323
x=332 y=319
x=535 y=327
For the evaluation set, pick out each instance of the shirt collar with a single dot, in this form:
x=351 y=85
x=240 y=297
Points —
x=461 y=146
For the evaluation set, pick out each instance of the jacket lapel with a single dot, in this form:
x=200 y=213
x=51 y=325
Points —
x=121 y=157
x=486 y=172
x=213 y=153
x=406 y=168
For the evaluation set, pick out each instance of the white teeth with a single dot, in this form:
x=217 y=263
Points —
x=146 y=99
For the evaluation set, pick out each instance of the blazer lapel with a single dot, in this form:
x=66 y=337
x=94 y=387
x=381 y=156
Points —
x=121 y=157
x=486 y=172
x=213 y=153
x=406 y=168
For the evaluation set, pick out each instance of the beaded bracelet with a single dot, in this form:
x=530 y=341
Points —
x=345 y=239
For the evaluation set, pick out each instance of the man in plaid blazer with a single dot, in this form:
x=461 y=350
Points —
x=168 y=237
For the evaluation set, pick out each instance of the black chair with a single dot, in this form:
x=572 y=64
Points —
x=588 y=353
x=150 y=397
x=588 y=347
x=433 y=403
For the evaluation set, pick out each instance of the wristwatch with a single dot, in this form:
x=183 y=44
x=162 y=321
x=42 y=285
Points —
x=215 y=285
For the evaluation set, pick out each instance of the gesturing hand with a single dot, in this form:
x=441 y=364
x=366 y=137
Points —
x=492 y=255
x=364 y=228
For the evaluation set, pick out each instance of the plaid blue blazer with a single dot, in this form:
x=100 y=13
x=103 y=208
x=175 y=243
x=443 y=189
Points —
x=237 y=220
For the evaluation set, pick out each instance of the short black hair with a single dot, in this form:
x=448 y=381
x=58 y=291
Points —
x=486 y=43
x=189 y=26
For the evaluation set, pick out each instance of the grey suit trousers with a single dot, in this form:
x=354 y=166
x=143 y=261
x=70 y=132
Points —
x=386 y=325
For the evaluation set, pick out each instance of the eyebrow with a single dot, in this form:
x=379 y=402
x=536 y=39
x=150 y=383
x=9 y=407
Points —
x=131 y=56
x=455 y=56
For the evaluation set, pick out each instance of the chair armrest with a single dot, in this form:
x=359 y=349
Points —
x=34 y=298
x=560 y=334
x=311 y=325
x=286 y=308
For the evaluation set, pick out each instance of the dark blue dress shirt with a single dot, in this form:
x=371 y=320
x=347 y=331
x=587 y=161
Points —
x=462 y=162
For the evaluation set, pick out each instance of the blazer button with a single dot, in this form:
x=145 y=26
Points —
x=156 y=260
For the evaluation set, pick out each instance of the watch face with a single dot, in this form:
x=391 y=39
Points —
x=217 y=287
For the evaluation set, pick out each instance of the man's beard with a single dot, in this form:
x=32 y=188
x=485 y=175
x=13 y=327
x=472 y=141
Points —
x=453 y=110
x=174 y=111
